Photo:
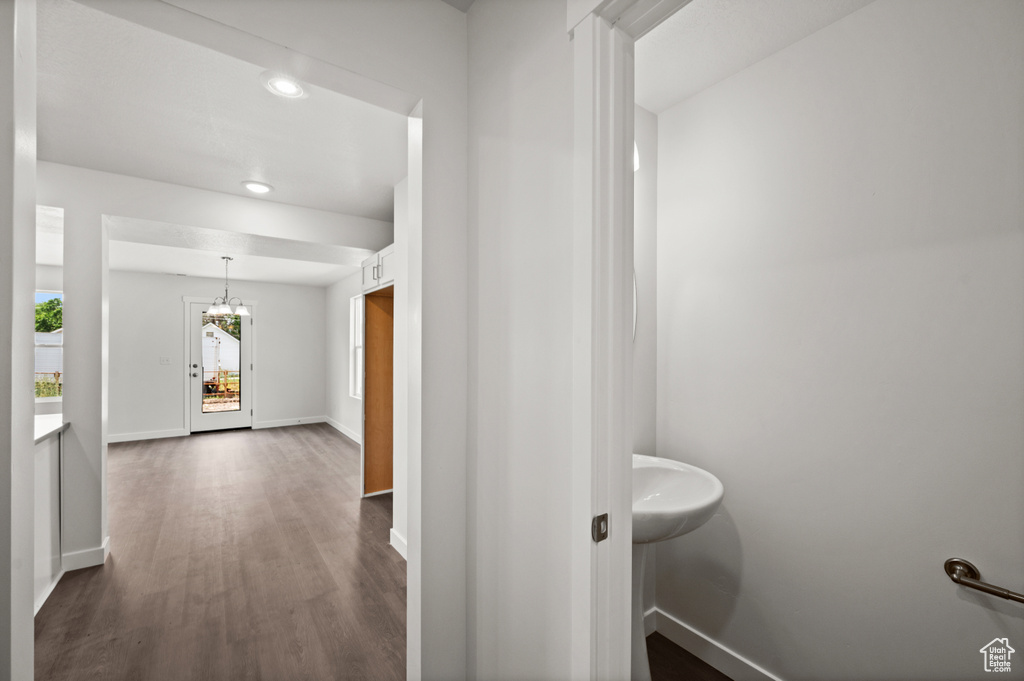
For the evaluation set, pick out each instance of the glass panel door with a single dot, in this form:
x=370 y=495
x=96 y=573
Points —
x=220 y=370
x=222 y=340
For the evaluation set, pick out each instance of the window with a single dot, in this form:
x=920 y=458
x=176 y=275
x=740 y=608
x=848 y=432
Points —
x=49 y=344
x=356 y=316
x=222 y=368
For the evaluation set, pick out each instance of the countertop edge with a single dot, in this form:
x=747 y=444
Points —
x=48 y=427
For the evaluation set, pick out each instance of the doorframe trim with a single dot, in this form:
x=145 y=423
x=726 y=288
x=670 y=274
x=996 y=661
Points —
x=603 y=34
x=602 y=358
x=186 y=350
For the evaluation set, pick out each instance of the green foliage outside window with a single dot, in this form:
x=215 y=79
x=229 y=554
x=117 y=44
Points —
x=49 y=388
x=231 y=323
x=49 y=318
x=50 y=315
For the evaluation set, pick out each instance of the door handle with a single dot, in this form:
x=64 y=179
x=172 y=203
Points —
x=195 y=374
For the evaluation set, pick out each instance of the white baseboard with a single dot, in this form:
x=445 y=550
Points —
x=257 y=425
x=46 y=593
x=727 y=661
x=399 y=544
x=651 y=622
x=78 y=560
x=345 y=430
x=150 y=435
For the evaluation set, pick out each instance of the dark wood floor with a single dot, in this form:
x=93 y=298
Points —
x=235 y=555
x=669 y=662
x=246 y=555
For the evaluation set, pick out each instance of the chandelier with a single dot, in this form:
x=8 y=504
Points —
x=222 y=306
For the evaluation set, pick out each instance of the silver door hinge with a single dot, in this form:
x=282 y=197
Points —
x=599 y=528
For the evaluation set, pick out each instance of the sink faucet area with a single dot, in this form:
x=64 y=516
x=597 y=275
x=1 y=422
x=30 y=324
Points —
x=670 y=499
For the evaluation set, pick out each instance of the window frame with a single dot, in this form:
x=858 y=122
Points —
x=356 y=334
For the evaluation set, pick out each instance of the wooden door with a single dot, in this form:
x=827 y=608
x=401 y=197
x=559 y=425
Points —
x=378 y=392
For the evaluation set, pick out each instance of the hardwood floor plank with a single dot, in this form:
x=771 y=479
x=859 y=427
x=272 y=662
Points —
x=235 y=555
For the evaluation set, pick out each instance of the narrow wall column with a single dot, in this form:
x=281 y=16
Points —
x=85 y=539
x=17 y=277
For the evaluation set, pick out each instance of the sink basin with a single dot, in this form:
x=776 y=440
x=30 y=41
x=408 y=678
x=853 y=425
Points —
x=670 y=498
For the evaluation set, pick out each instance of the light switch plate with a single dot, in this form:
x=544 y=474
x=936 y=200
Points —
x=165 y=361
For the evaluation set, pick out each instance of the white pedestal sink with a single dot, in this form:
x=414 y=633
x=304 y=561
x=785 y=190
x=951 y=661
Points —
x=669 y=499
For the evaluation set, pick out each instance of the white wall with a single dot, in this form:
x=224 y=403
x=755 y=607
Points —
x=841 y=317
x=343 y=411
x=645 y=342
x=146 y=323
x=521 y=141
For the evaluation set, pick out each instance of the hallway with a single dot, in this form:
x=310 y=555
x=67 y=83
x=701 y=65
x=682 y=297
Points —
x=235 y=555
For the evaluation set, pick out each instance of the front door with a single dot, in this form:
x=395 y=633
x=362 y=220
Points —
x=220 y=370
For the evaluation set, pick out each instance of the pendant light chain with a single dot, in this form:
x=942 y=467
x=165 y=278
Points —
x=226 y=261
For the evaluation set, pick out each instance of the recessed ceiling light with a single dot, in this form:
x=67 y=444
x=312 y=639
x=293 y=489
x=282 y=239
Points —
x=282 y=85
x=257 y=187
x=285 y=87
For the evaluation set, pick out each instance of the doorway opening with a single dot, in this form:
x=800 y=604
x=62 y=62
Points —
x=378 y=392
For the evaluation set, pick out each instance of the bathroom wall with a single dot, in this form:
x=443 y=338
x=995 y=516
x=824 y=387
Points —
x=645 y=266
x=344 y=412
x=146 y=323
x=645 y=342
x=841 y=318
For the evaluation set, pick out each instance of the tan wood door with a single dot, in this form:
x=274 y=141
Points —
x=378 y=395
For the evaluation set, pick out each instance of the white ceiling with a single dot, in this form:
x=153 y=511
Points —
x=136 y=257
x=117 y=97
x=709 y=40
x=159 y=248
x=121 y=98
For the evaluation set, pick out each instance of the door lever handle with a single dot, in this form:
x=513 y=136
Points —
x=965 y=574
